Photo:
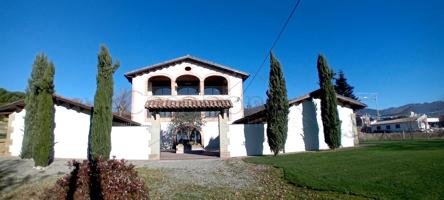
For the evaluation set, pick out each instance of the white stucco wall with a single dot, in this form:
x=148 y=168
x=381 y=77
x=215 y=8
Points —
x=18 y=126
x=305 y=132
x=140 y=92
x=71 y=136
x=210 y=135
x=130 y=142
x=70 y=133
x=248 y=140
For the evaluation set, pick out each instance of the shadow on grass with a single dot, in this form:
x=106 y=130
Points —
x=10 y=179
x=73 y=181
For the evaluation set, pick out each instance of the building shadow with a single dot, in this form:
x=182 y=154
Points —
x=213 y=144
x=254 y=139
x=310 y=126
x=12 y=178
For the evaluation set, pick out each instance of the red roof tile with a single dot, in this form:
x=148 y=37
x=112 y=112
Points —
x=187 y=104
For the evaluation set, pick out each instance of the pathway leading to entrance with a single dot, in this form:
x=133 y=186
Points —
x=171 y=155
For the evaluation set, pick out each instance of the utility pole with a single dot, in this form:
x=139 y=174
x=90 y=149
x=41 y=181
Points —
x=373 y=96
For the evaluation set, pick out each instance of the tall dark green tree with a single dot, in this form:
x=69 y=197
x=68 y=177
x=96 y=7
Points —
x=329 y=110
x=276 y=107
x=342 y=87
x=42 y=151
x=100 y=133
x=31 y=102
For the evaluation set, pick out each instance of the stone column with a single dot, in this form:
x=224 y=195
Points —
x=201 y=88
x=155 y=137
x=224 y=141
x=173 y=87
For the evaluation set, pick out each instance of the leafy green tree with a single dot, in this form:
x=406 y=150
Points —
x=329 y=110
x=31 y=103
x=276 y=107
x=102 y=116
x=342 y=87
x=9 y=97
x=186 y=122
x=42 y=152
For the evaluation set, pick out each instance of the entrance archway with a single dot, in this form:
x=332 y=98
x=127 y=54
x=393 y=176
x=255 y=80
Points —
x=188 y=105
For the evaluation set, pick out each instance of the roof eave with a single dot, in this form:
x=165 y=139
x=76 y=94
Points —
x=134 y=73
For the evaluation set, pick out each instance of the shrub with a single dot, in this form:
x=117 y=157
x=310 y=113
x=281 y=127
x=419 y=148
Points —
x=112 y=179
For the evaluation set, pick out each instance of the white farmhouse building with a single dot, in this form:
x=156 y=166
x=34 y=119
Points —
x=192 y=84
x=412 y=123
x=185 y=84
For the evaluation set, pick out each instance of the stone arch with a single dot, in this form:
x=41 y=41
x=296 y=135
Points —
x=215 y=85
x=188 y=84
x=159 y=85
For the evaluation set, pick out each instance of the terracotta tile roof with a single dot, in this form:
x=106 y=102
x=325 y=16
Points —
x=395 y=121
x=131 y=74
x=187 y=104
x=257 y=114
x=68 y=103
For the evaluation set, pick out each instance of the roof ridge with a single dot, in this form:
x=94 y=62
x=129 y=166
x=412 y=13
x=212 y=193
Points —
x=129 y=75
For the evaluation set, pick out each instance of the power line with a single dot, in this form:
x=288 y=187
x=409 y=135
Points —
x=274 y=44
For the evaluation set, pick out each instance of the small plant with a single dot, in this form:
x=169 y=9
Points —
x=112 y=179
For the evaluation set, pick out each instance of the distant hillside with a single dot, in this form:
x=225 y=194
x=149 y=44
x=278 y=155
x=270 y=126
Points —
x=432 y=109
x=9 y=97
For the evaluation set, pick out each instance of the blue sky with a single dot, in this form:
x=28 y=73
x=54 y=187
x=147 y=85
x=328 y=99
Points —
x=394 y=48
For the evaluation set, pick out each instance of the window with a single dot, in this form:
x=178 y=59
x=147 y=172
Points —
x=160 y=85
x=211 y=114
x=161 y=90
x=215 y=85
x=387 y=127
x=188 y=90
x=213 y=90
x=378 y=128
x=187 y=85
x=398 y=125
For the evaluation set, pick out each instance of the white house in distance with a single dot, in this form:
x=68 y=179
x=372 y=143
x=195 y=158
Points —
x=186 y=84
x=413 y=123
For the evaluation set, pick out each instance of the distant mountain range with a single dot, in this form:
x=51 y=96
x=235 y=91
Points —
x=432 y=109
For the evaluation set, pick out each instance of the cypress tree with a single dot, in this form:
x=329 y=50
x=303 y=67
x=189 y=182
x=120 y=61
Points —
x=102 y=116
x=342 y=87
x=43 y=136
x=276 y=107
x=40 y=62
x=329 y=110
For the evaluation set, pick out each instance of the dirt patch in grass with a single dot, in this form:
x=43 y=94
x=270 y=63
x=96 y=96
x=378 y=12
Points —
x=266 y=183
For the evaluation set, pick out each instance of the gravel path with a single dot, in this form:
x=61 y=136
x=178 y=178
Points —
x=15 y=172
x=205 y=172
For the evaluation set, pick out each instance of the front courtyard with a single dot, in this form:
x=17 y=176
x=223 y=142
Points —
x=381 y=170
x=171 y=179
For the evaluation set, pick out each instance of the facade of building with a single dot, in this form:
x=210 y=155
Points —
x=186 y=84
x=189 y=84
x=406 y=124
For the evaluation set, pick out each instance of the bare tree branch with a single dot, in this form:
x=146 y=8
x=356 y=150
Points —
x=122 y=103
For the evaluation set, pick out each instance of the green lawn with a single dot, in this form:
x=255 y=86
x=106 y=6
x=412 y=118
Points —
x=386 y=170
